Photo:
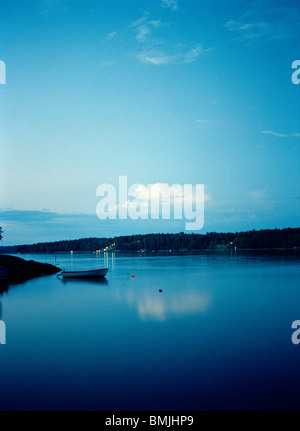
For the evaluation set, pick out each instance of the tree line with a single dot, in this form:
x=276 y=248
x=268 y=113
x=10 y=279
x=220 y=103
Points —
x=255 y=239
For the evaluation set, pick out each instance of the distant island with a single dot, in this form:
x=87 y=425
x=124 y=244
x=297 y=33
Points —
x=288 y=238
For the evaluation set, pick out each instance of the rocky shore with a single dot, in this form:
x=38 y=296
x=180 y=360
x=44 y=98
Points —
x=21 y=270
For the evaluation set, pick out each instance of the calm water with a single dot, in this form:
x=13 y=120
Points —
x=218 y=336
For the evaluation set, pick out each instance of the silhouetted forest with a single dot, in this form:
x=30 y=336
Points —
x=262 y=239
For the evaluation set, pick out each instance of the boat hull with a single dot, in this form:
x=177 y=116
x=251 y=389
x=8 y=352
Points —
x=96 y=273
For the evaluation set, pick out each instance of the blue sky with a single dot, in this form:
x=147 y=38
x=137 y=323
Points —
x=163 y=91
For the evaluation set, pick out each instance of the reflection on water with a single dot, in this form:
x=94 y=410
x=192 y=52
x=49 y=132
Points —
x=83 y=281
x=163 y=305
x=3 y=287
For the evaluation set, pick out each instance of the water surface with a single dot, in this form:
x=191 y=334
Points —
x=191 y=332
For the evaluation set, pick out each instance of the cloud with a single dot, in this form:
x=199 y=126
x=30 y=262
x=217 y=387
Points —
x=193 y=53
x=162 y=192
x=111 y=35
x=162 y=58
x=271 y=132
x=158 y=58
x=158 y=199
x=281 y=135
x=172 y=4
x=250 y=31
x=143 y=32
x=28 y=227
x=158 y=51
x=143 y=27
x=21 y=226
x=140 y=20
x=156 y=23
x=265 y=24
x=32 y=217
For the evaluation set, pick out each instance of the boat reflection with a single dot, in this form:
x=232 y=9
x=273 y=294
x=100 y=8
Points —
x=86 y=280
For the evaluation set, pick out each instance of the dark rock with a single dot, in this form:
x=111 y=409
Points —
x=21 y=270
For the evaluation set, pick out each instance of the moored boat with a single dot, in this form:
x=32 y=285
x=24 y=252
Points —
x=95 y=273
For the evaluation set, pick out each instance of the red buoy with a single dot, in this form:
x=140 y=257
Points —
x=132 y=275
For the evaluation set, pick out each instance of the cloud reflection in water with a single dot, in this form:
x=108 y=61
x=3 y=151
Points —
x=161 y=306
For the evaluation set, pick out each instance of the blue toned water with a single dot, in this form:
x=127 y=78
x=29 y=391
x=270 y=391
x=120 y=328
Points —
x=216 y=337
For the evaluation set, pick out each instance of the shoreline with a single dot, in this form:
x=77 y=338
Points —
x=20 y=270
x=144 y=252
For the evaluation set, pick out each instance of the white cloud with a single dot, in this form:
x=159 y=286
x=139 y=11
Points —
x=172 y=4
x=140 y=20
x=159 y=52
x=144 y=27
x=250 y=31
x=158 y=58
x=265 y=24
x=192 y=54
x=160 y=191
x=161 y=58
x=111 y=35
x=143 y=32
x=271 y=132
x=156 y=191
x=155 y=23
x=281 y=135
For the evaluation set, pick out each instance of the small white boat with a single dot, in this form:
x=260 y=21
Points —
x=95 y=273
